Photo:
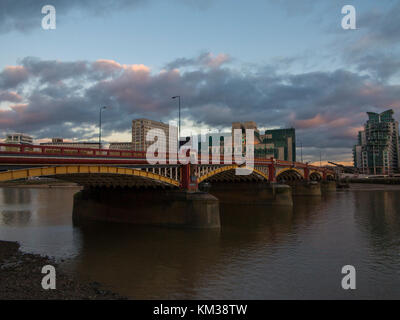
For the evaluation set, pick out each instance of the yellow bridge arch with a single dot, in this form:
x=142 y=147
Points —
x=229 y=168
x=282 y=170
x=75 y=170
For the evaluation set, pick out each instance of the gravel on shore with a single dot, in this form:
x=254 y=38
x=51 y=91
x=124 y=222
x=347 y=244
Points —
x=21 y=278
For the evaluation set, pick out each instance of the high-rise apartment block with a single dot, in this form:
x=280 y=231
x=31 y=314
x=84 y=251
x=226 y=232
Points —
x=377 y=149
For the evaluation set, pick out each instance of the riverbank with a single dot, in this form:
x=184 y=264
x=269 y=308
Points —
x=21 y=277
x=389 y=181
x=373 y=187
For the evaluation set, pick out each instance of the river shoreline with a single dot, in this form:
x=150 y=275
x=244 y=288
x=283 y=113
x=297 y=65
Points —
x=21 y=277
x=373 y=187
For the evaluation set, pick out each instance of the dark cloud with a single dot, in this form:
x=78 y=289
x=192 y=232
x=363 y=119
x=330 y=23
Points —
x=381 y=26
x=375 y=46
x=12 y=76
x=26 y=15
x=381 y=65
x=55 y=98
x=10 y=96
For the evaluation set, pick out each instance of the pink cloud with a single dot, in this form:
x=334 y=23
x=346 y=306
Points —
x=340 y=122
x=111 y=65
x=10 y=96
x=20 y=108
x=309 y=123
x=107 y=65
x=217 y=61
x=14 y=75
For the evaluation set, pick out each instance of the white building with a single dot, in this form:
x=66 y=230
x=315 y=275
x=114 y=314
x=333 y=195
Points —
x=18 y=138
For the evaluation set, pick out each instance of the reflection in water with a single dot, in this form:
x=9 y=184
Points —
x=15 y=217
x=15 y=196
x=260 y=252
x=378 y=218
x=40 y=219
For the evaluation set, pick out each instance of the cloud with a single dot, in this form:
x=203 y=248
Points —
x=381 y=65
x=10 y=96
x=382 y=26
x=25 y=16
x=205 y=59
x=58 y=98
x=12 y=76
x=374 y=48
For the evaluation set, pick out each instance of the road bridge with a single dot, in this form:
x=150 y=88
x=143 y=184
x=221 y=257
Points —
x=104 y=167
x=191 y=191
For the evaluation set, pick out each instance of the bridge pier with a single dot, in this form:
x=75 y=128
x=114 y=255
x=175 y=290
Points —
x=174 y=208
x=306 y=188
x=251 y=193
x=328 y=186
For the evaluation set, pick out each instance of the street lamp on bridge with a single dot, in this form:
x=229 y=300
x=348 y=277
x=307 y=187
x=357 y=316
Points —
x=101 y=109
x=179 y=125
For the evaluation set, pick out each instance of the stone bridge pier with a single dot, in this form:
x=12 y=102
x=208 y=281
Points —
x=255 y=193
x=159 y=207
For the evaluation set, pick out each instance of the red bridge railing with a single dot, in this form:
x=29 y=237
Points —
x=40 y=150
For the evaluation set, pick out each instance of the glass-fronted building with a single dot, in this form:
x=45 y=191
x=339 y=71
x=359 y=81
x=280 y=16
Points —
x=278 y=143
x=377 y=149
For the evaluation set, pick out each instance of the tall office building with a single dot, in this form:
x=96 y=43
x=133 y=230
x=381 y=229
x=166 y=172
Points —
x=377 y=149
x=140 y=128
x=278 y=143
x=243 y=126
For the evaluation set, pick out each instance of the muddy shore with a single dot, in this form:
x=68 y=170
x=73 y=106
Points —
x=21 y=278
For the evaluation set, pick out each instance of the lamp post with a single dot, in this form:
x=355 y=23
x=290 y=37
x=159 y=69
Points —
x=101 y=109
x=301 y=151
x=179 y=125
x=320 y=158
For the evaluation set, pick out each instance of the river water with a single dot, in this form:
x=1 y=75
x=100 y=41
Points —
x=260 y=252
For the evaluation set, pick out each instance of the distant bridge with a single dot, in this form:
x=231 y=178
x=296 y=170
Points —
x=125 y=168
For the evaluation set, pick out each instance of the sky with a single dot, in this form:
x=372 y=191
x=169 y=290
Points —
x=280 y=63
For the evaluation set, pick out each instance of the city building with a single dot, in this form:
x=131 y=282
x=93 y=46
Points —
x=59 y=142
x=18 y=138
x=377 y=148
x=120 y=145
x=140 y=128
x=278 y=143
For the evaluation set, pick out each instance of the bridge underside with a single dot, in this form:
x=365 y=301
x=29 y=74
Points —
x=289 y=176
x=95 y=176
x=231 y=176
x=315 y=176
x=112 y=180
